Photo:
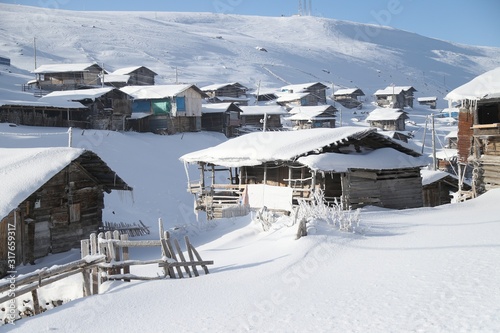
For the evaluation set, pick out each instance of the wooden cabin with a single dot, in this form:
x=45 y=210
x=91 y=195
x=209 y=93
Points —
x=261 y=117
x=108 y=108
x=438 y=187
x=291 y=100
x=55 y=113
x=165 y=108
x=428 y=101
x=130 y=76
x=478 y=136
x=54 y=197
x=355 y=166
x=305 y=117
x=68 y=76
x=388 y=119
x=395 y=97
x=349 y=97
x=221 y=117
x=317 y=91
x=232 y=90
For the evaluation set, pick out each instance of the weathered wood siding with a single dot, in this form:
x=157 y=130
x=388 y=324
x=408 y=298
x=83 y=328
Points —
x=43 y=116
x=465 y=133
x=193 y=102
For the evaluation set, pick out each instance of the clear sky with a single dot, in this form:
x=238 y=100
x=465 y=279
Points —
x=475 y=22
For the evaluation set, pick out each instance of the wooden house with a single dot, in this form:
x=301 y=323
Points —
x=266 y=95
x=387 y=119
x=478 y=139
x=53 y=113
x=221 y=117
x=356 y=166
x=261 y=117
x=429 y=101
x=226 y=92
x=395 y=97
x=317 y=91
x=130 y=76
x=349 y=97
x=291 y=100
x=165 y=108
x=68 y=76
x=108 y=108
x=438 y=187
x=51 y=199
x=304 y=117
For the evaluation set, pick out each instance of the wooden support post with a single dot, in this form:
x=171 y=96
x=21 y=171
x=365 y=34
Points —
x=84 y=243
x=126 y=269
x=36 y=303
x=190 y=254
x=103 y=250
x=181 y=256
x=95 y=271
x=116 y=250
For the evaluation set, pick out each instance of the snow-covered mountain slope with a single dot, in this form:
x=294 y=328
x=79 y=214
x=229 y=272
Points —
x=204 y=48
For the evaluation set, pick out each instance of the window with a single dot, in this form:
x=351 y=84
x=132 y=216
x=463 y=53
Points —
x=181 y=103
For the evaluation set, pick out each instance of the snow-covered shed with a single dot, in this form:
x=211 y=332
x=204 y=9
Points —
x=50 y=199
x=395 y=96
x=349 y=97
x=430 y=101
x=438 y=187
x=221 y=117
x=130 y=76
x=107 y=107
x=258 y=117
x=168 y=108
x=388 y=119
x=53 y=77
x=317 y=91
x=478 y=139
x=305 y=117
x=356 y=166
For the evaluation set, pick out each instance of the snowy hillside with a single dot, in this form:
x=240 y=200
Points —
x=208 y=48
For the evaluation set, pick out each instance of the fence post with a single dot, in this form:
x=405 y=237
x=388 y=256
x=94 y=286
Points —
x=126 y=269
x=94 y=250
x=84 y=244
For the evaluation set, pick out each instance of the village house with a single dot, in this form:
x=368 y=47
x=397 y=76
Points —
x=130 y=76
x=291 y=100
x=67 y=76
x=165 y=108
x=54 y=197
x=266 y=95
x=317 y=91
x=478 y=139
x=438 y=187
x=387 y=119
x=221 y=117
x=355 y=166
x=395 y=97
x=429 y=101
x=226 y=93
x=107 y=108
x=349 y=97
x=304 y=117
x=261 y=117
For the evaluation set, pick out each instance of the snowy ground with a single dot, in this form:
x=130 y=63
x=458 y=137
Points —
x=420 y=270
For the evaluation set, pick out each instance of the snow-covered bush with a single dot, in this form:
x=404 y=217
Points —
x=333 y=214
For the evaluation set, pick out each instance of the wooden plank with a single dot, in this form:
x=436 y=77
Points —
x=190 y=254
x=85 y=251
x=197 y=255
x=125 y=257
x=36 y=303
x=95 y=270
x=181 y=256
x=171 y=249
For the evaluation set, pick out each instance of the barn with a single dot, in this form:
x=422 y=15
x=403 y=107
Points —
x=355 y=166
x=50 y=199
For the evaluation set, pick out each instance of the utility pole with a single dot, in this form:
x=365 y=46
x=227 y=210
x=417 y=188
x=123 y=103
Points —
x=433 y=144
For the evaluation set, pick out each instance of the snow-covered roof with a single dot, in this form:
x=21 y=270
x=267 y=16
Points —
x=289 y=97
x=24 y=170
x=484 y=86
x=116 y=78
x=302 y=87
x=139 y=115
x=391 y=90
x=432 y=176
x=76 y=95
x=128 y=70
x=385 y=114
x=63 y=68
x=379 y=159
x=452 y=134
x=215 y=107
x=218 y=86
x=427 y=99
x=251 y=110
x=446 y=154
x=259 y=147
x=156 y=91
x=310 y=113
x=53 y=102
x=346 y=91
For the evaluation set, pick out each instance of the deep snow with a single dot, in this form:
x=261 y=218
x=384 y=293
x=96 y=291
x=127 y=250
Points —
x=419 y=270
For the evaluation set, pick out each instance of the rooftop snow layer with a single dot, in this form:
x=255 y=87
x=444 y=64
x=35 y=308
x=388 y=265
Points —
x=484 y=86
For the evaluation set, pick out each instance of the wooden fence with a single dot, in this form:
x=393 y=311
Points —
x=105 y=256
